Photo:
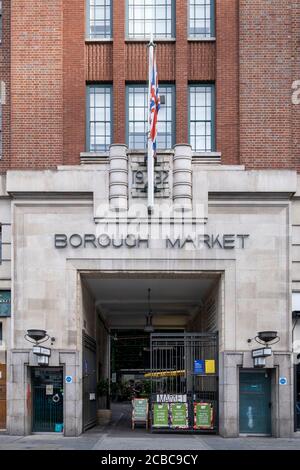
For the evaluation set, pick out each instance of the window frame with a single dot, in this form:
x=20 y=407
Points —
x=89 y=86
x=173 y=122
x=8 y=315
x=145 y=38
x=213 y=114
x=212 y=24
x=87 y=26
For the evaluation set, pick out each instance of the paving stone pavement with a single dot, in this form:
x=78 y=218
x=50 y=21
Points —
x=105 y=441
x=119 y=436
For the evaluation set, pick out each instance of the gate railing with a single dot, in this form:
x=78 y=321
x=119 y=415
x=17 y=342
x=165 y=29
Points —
x=184 y=368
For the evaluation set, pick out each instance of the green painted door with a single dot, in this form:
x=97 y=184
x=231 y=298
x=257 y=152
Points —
x=47 y=400
x=297 y=397
x=255 y=402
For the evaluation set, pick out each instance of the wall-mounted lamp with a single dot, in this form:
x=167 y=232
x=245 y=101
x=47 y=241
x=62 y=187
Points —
x=267 y=337
x=36 y=336
x=259 y=362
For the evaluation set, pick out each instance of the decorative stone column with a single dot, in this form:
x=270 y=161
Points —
x=182 y=176
x=118 y=177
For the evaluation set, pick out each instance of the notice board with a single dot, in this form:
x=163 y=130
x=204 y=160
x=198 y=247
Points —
x=140 y=410
x=160 y=415
x=179 y=415
x=203 y=416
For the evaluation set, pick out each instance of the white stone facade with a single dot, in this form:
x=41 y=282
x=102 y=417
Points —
x=257 y=273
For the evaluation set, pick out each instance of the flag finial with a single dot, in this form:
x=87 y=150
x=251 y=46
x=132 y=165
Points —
x=151 y=43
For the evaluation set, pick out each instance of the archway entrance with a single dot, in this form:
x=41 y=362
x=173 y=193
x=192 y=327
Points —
x=170 y=359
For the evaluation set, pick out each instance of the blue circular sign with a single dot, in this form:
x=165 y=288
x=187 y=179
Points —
x=69 y=379
x=283 y=381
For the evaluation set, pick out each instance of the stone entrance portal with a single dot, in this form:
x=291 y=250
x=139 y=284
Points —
x=135 y=361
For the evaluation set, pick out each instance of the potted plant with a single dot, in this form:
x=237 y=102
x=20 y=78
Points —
x=103 y=413
x=146 y=390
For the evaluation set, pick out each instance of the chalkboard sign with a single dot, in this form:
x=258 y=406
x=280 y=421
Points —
x=179 y=415
x=140 y=410
x=160 y=415
x=203 y=416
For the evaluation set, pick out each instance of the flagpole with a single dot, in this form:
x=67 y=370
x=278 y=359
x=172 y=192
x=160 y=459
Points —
x=150 y=159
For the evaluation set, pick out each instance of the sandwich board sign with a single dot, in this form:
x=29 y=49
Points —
x=160 y=415
x=140 y=409
x=203 y=416
x=179 y=415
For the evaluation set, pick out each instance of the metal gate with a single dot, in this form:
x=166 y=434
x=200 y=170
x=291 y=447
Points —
x=184 y=368
x=47 y=391
x=297 y=397
x=89 y=382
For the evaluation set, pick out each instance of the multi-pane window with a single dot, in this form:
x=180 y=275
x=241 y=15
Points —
x=146 y=16
x=201 y=18
x=137 y=99
x=99 y=129
x=201 y=100
x=99 y=19
x=5 y=303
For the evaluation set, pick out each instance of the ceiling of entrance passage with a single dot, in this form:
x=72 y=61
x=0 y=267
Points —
x=125 y=301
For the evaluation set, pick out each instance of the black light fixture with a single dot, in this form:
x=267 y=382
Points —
x=149 y=328
x=267 y=337
x=36 y=336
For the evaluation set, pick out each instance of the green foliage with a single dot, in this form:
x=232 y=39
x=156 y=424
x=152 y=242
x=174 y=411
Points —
x=123 y=391
x=146 y=389
x=103 y=387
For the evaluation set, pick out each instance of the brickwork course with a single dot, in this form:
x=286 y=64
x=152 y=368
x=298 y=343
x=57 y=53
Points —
x=46 y=63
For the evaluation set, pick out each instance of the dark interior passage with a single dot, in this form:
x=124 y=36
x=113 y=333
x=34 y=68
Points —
x=122 y=316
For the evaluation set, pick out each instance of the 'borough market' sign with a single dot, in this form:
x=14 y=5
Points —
x=225 y=241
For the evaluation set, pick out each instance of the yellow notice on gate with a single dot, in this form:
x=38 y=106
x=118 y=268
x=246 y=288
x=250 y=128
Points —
x=210 y=366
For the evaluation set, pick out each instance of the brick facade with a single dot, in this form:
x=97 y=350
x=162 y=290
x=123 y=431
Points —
x=295 y=118
x=119 y=67
x=253 y=63
x=37 y=83
x=227 y=80
x=266 y=76
x=73 y=80
x=181 y=73
x=5 y=77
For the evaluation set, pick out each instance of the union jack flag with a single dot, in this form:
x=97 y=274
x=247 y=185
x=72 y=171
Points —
x=154 y=100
